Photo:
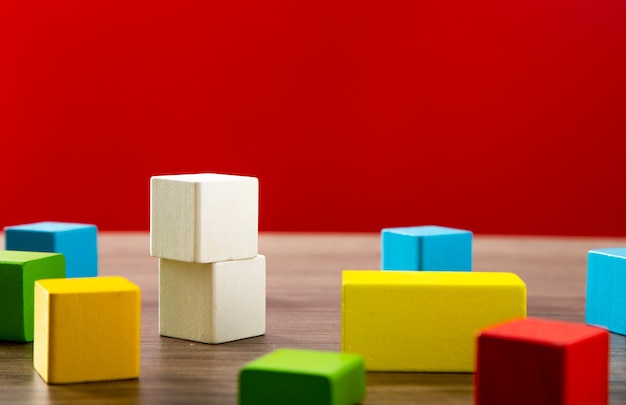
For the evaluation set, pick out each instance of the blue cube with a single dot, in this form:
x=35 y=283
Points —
x=428 y=248
x=77 y=242
x=606 y=285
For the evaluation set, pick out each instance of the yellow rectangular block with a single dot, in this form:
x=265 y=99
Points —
x=424 y=321
x=87 y=329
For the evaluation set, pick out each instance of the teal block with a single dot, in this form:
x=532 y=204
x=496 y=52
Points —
x=605 y=304
x=428 y=248
x=77 y=242
x=303 y=377
x=18 y=272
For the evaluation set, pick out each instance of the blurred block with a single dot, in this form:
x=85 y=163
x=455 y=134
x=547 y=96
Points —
x=204 y=217
x=77 y=242
x=542 y=362
x=606 y=283
x=303 y=377
x=424 y=321
x=87 y=329
x=212 y=302
x=18 y=273
x=428 y=248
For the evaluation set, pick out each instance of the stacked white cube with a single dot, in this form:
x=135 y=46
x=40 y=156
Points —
x=204 y=230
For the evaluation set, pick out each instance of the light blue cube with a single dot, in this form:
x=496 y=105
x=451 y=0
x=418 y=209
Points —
x=77 y=242
x=606 y=289
x=428 y=248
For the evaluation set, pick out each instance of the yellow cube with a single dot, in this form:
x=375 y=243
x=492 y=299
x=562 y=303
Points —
x=87 y=329
x=424 y=321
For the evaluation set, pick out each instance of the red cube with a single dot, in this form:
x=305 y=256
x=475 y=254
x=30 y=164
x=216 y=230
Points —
x=542 y=362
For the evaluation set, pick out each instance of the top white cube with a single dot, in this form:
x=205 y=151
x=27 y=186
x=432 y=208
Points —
x=204 y=217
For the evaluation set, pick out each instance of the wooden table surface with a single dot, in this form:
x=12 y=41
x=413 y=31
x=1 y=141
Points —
x=304 y=311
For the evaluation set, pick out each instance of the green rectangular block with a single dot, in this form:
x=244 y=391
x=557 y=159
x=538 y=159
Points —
x=18 y=272
x=303 y=377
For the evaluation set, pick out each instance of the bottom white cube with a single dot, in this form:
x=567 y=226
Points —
x=212 y=302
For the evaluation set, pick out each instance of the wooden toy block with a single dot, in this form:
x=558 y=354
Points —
x=18 y=272
x=606 y=281
x=212 y=302
x=304 y=377
x=428 y=248
x=77 y=242
x=204 y=217
x=424 y=321
x=87 y=329
x=542 y=362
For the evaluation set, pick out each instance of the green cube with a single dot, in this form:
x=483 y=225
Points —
x=18 y=272
x=303 y=377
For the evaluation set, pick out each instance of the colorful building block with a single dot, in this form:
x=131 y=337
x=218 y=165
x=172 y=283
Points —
x=87 y=329
x=212 y=302
x=303 y=377
x=424 y=321
x=606 y=281
x=77 y=242
x=18 y=272
x=429 y=248
x=542 y=362
x=204 y=217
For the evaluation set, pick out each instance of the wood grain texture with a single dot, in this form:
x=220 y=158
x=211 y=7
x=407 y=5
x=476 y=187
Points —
x=304 y=311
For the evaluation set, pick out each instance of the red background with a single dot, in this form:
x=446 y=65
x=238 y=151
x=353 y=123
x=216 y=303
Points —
x=490 y=115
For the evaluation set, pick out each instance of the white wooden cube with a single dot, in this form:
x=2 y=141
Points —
x=204 y=217
x=212 y=302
